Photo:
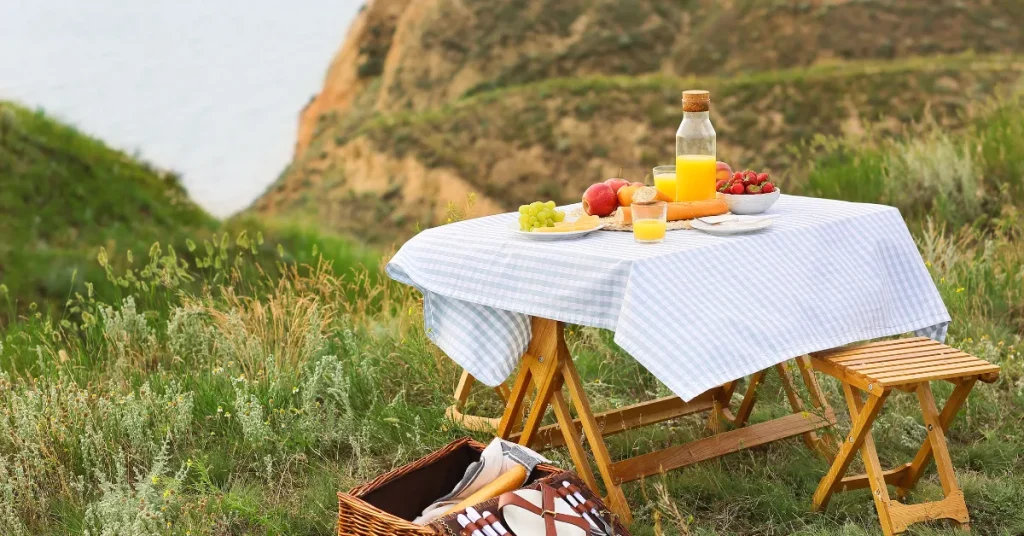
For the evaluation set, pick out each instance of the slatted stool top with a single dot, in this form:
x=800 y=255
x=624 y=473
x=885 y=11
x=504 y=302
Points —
x=901 y=362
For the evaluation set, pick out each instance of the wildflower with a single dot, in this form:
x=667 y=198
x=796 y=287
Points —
x=959 y=290
x=295 y=390
x=220 y=409
x=928 y=263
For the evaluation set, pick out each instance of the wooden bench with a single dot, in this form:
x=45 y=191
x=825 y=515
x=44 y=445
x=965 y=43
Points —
x=875 y=369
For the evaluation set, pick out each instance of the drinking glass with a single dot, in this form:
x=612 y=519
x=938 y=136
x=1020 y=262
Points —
x=649 y=222
x=665 y=181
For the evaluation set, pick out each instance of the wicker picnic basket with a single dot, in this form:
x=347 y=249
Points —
x=385 y=505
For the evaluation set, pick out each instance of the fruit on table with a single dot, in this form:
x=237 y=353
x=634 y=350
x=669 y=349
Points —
x=722 y=171
x=616 y=183
x=600 y=200
x=583 y=223
x=681 y=210
x=627 y=192
x=539 y=214
x=746 y=182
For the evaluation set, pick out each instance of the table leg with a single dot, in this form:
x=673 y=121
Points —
x=473 y=422
x=548 y=364
x=747 y=406
x=810 y=438
x=616 y=499
x=826 y=444
x=573 y=441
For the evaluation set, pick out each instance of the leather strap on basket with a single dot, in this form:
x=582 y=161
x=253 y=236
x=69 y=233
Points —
x=546 y=511
x=589 y=504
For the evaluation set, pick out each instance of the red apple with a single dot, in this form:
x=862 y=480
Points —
x=616 y=183
x=600 y=200
x=722 y=171
x=637 y=184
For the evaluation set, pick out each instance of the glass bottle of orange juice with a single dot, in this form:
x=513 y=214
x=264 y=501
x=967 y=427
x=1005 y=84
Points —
x=695 y=149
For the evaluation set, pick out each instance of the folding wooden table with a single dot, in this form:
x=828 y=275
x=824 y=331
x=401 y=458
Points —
x=547 y=367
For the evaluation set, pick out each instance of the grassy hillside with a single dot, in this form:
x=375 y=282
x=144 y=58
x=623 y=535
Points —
x=239 y=403
x=551 y=139
x=437 y=52
x=64 y=196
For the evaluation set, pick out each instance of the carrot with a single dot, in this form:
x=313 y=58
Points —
x=682 y=210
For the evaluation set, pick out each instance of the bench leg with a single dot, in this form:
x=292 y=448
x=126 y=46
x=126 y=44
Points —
x=876 y=477
x=862 y=421
x=924 y=454
x=953 y=506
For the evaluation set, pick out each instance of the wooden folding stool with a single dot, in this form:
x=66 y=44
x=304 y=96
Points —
x=874 y=369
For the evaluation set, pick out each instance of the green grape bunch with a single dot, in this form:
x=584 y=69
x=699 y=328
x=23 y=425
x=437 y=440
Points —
x=539 y=214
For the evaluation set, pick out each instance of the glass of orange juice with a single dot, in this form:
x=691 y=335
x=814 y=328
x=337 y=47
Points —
x=665 y=181
x=649 y=222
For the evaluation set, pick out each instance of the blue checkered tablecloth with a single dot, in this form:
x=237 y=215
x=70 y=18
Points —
x=696 y=310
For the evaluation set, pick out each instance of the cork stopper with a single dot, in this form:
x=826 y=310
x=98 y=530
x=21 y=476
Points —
x=696 y=100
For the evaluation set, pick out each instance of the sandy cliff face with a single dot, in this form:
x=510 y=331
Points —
x=356 y=65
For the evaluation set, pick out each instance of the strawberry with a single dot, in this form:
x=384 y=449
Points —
x=767 y=188
x=762 y=178
x=749 y=177
x=753 y=189
x=736 y=188
x=720 y=185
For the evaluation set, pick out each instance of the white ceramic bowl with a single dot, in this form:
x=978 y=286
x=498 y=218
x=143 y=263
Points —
x=750 y=203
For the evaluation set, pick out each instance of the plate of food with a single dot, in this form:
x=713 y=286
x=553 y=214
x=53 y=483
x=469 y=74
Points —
x=541 y=221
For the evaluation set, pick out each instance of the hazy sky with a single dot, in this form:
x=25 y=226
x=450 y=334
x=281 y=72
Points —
x=209 y=88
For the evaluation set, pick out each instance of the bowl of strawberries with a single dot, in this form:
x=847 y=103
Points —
x=748 y=192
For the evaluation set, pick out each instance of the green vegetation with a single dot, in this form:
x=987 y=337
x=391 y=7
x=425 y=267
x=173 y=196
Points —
x=961 y=178
x=66 y=196
x=225 y=398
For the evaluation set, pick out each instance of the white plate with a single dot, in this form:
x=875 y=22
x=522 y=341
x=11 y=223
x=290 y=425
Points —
x=552 y=236
x=732 y=227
